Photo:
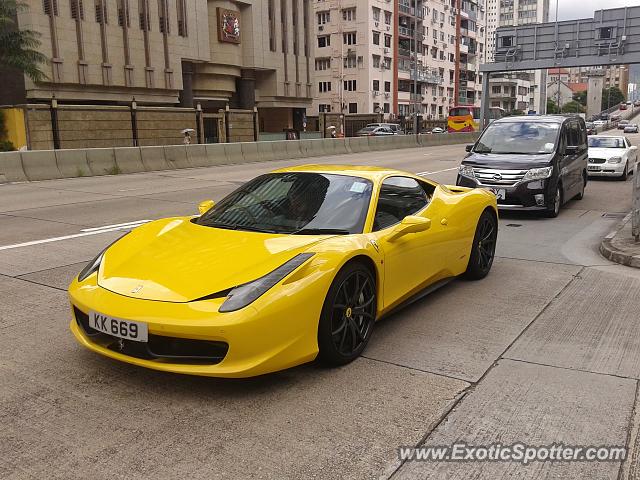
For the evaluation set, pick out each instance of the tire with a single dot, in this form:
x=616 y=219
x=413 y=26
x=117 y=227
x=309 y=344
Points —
x=625 y=174
x=347 y=319
x=580 y=195
x=483 y=248
x=554 y=211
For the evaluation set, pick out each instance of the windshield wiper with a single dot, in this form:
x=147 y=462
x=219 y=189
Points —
x=320 y=231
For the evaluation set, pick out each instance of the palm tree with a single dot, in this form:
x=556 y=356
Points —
x=18 y=48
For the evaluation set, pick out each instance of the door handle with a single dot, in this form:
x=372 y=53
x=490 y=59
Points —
x=444 y=222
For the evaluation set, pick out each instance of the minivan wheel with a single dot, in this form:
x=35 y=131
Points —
x=554 y=210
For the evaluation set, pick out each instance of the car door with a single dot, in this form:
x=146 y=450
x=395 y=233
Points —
x=411 y=260
x=569 y=163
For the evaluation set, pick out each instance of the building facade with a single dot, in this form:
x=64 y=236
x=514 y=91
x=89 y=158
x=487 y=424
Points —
x=396 y=57
x=504 y=13
x=214 y=54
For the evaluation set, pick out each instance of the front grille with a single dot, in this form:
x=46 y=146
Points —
x=158 y=347
x=597 y=160
x=496 y=177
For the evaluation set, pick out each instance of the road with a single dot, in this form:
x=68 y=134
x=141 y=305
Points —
x=546 y=349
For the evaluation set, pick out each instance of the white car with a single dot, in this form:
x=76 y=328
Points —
x=611 y=156
x=600 y=123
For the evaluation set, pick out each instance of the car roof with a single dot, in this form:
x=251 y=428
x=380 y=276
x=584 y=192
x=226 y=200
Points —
x=608 y=136
x=535 y=118
x=370 y=173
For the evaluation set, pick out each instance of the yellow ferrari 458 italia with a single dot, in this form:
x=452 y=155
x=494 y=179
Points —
x=295 y=265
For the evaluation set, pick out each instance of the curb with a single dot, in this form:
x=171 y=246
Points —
x=615 y=255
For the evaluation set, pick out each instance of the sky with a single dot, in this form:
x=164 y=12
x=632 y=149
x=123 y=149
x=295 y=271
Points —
x=574 y=9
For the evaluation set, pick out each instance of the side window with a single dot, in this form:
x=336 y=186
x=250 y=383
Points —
x=628 y=142
x=574 y=135
x=399 y=197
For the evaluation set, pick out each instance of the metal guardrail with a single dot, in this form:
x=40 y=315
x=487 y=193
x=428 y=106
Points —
x=635 y=209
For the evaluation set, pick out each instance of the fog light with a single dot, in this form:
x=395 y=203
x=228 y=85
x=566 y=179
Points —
x=539 y=198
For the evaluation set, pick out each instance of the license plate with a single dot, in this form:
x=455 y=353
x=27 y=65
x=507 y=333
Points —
x=117 y=327
x=593 y=168
x=500 y=193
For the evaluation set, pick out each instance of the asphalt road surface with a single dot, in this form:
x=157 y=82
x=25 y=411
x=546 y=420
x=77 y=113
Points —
x=544 y=350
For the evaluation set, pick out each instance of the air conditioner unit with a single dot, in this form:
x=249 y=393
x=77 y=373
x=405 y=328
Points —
x=386 y=50
x=377 y=24
x=441 y=24
x=388 y=26
x=446 y=7
x=387 y=95
x=321 y=27
x=376 y=93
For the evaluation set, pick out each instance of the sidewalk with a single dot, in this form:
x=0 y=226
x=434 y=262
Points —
x=620 y=247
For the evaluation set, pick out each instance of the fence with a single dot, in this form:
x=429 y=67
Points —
x=52 y=164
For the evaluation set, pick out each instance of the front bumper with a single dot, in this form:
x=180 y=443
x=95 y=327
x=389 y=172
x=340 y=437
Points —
x=522 y=196
x=606 y=169
x=278 y=331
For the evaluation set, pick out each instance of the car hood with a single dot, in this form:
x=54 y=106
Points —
x=175 y=260
x=507 y=161
x=605 y=152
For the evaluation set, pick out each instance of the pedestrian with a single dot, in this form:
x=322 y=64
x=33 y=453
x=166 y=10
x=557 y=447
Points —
x=187 y=138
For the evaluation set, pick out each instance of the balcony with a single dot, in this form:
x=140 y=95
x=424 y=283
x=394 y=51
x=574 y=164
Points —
x=406 y=9
x=407 y=32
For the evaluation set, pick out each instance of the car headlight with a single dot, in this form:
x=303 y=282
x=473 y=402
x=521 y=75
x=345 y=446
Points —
x=615 y=160
x=538 y=173
x=466 y=170
x=94 y=264
x=246 y=294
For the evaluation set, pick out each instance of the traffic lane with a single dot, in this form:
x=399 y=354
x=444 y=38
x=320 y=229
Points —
x=69 y=413
x=535 y=405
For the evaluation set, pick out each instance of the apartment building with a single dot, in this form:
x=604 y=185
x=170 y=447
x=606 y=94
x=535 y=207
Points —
x=380 y=56
x=614 y=76
x=503 y=13
x=216 y=53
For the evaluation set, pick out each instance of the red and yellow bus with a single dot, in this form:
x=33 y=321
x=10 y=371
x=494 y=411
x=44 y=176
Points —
x=466 y=118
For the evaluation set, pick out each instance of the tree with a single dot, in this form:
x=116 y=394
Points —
x=611 y=97
x=573 y=107
x=19 y=48
x=551 y=106
x=581 y=97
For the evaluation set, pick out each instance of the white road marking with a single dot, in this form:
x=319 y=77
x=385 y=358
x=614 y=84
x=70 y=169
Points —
x=75 y=235
x=437 y=171
x=128 y=224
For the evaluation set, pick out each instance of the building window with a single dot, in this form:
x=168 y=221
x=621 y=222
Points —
x=163 y=17
x=272 y=25
x=350 y=86
x=387 y=18
x=376 y=14
x=145 y=18
x=349 y=38
x=350 y=62
x=387 y=63
x=349 y=14
x=376 y=61
x=353 y=108
x=324 y=107
x=101 y=12
x=324 y=87
x=123 y=13
x=324 y=41
x=324 y=17
x=385 y=108
x=50 y=7
x=323 y=63
x=387 y=41
x=77 y=10
x=376 y=85
x=376 y=38
x=387 y=87
x=182 y=18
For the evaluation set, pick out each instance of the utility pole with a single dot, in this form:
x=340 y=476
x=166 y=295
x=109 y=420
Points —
x=418 y=15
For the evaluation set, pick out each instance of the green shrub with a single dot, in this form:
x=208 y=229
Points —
x=6 y=146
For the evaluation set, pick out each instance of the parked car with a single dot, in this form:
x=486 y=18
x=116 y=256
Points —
x=623 y=106
x=604 y=116
x=395 y=127
x=636 y=103
x=530 y=163
x=622 y=124
x=591 y=128
x=615 y=117
x=631 y=128
x=437 y=130
x=611 y=156
x=600 y=123
x=374 y=132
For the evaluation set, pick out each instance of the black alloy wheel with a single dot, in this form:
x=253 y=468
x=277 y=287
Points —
x=348 y=315
x=484 y=247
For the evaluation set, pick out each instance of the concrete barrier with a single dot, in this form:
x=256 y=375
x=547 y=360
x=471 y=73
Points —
x=293 y=149
x=176 y=156
x=11 y=168
x=216 y=154
x=153 y=159
x=102 y=161
x=358 y=144
x=378 y=143
x=265 y=151
x=129 y=160
x=407 y=141
x=250 y=152
x=73 y=163
x=280 y=149
x=312 y=148
x=41 y=165
x=197 y=156
x=233 y=153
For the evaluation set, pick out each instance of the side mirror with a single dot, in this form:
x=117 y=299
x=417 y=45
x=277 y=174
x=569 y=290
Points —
x=469 y=147
x=633 y=147
x=410 y=224
x=205 y=206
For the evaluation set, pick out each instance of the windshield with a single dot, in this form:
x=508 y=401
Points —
x=295 y=203
x=519 y=138
x=606 y=142
x=368 y=129
x=589 y=124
